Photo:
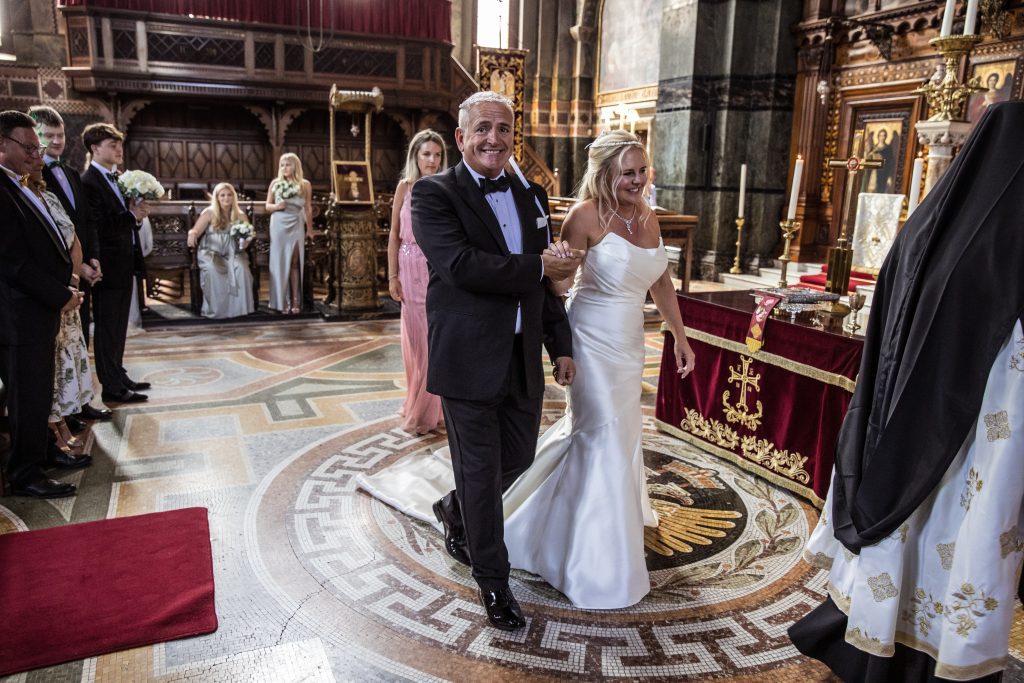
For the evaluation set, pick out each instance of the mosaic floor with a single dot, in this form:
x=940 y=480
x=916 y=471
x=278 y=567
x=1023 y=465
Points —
x=266 y=425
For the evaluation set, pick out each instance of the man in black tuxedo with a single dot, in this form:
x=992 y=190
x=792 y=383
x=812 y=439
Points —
x=35 y=276
x=117 y=222
x=488 y=312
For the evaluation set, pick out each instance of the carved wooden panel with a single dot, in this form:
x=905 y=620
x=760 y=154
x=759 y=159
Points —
x=356 y=62
x=142 y=154
x=253 y=161
x=171 y=154
x=78 y=41
x=294 y=57
x=414 y=65
x=193 y=49
x=124 y=44
x=264 y=54
x=226 y=160
x=200 y=159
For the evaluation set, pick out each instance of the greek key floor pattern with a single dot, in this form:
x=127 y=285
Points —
x=267 y=425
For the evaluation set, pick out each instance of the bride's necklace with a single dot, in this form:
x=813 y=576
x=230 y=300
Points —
x=627 y=221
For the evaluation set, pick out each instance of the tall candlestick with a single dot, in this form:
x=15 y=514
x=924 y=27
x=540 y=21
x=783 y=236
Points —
x=795 y=193
x=971 y=18
x=743 y=188
x=947 y=18
x=915 y=185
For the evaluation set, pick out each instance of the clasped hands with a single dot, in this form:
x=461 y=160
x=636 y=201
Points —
x=140 y=209
x=561 y=260
x=74 y=301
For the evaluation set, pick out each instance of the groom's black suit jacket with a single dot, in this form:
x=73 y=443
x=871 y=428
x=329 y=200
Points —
x=476 y=285
x=120 y=255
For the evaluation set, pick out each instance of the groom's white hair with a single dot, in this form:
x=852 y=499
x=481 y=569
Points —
x=478 y=97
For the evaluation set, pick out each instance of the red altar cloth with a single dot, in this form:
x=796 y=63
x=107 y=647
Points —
x=782 y=420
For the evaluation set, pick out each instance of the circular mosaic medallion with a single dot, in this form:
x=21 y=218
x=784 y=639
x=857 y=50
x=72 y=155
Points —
x=184 y=377
x=724 y=563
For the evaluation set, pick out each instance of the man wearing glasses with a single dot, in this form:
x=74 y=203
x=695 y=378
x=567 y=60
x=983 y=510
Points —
x=35 y=276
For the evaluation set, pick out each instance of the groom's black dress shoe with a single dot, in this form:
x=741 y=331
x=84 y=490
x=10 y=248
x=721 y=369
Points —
x=454 y=536
x=74 y=424
x=137 y=386
x=65 y=461
x=126 y=396
x=502 y=609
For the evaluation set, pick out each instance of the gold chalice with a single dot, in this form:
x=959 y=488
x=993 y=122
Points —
x=856 y=301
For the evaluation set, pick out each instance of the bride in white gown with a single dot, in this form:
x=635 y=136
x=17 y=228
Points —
x=576 y=517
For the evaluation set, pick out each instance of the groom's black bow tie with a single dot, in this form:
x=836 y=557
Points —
x=498 y=185
x=113 y=176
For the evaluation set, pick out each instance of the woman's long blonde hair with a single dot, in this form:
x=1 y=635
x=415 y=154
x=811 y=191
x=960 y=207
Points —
x=218 y=221
x=412 y=168
x=604 y=170
x=297 y=176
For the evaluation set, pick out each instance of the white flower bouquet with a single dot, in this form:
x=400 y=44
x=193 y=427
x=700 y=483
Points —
x=139 y=185
x=240 y=231
x=285 y=189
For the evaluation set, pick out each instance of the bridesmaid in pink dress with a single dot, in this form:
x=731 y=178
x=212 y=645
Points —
x=407 y=273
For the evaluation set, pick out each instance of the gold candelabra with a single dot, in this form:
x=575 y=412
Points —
x=735 y=270
x=947 y=96
x=789 y=229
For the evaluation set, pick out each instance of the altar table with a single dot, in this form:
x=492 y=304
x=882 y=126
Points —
x=775 y=412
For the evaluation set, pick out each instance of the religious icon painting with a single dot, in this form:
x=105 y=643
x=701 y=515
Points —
x=998 y=79
x=886 y=135
x=353 y=183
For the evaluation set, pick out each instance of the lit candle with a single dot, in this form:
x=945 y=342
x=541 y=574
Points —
x=743 y=188
x=915 y=185
x=972 y=17
x=795 y=193
x=947 y=18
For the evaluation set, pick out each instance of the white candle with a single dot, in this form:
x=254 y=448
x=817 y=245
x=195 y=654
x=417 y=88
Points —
x=947 y=18
x=743 y=188
x=795 y=193
x=915 y=185
x=972 y=17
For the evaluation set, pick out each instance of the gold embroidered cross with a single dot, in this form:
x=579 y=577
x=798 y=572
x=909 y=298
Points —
x=743 y=377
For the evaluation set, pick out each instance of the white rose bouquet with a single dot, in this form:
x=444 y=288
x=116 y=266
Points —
x=284 y=189
x=139 y=185
x=241 y=231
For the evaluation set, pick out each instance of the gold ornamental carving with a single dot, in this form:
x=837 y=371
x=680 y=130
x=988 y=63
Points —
x=504 y=71
x=742 y=376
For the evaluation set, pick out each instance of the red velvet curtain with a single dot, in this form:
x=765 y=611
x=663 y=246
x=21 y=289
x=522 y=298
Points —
x=408 y=18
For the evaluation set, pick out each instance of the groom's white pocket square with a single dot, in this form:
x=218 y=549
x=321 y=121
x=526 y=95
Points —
x=542 y=222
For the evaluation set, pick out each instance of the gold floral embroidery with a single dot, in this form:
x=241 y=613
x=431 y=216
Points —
x=760 y=451
x=882 y=587
x=971 y=486
x=967 y=606
x=1017 y=359
x=945 y=551
x=848 y=555
x=903 y=532
x=997 y=425
x=1010 y=542
x=819 y=560
x=862 y=641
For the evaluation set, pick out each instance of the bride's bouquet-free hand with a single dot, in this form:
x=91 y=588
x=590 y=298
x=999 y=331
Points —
x=241 y=231
x=139 y=185
x=285 y=189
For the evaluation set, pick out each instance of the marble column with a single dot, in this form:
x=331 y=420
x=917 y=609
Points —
x=726 y=87
x=941 y=137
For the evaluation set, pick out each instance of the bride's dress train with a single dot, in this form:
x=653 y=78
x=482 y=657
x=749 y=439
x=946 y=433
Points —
x=576 y=517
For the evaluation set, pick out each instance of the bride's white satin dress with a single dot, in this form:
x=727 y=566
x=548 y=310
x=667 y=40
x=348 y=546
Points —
x=576 y=517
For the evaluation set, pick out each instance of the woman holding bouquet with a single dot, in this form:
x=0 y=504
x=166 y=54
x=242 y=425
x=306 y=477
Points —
x=407 y=281
x=220 y=236
x=290 y=203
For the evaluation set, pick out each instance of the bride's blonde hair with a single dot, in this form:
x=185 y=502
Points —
x=604 y=170
x=218 y=221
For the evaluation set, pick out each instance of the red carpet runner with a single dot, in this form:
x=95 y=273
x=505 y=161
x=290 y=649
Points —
x=82 y=590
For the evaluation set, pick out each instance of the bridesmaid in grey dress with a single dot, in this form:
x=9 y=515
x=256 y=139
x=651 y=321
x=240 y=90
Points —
x=290 y=205
x=223 y=263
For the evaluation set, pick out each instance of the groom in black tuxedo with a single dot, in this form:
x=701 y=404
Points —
x=488 y=312
x=35 y=276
